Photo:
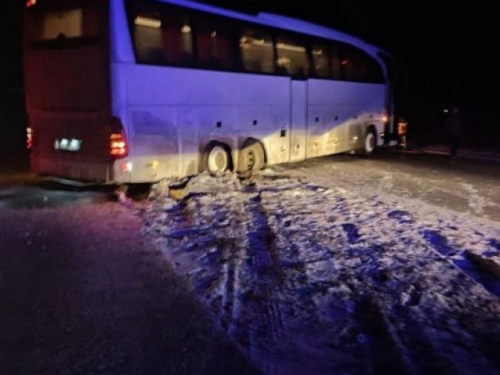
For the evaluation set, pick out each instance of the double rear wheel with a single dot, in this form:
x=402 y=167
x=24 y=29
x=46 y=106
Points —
x=217 y=158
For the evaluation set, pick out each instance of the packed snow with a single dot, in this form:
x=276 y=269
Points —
x=309 y=279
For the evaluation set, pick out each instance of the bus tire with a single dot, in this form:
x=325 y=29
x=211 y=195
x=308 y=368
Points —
x=369 y=143
x=217 y=159
x=252 y=156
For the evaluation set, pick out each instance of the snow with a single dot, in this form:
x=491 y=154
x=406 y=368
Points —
x=322 y=279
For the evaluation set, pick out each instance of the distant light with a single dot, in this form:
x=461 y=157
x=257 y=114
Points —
x=31 y=3
x=446 y=110
x=186 y=29
x=385 y=118
x=214 y=34
x=343 y=62
x=148 y=22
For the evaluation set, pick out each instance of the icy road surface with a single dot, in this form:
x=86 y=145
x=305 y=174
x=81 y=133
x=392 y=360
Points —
x=316 y=268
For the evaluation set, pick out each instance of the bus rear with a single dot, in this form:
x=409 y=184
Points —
x=72 y=133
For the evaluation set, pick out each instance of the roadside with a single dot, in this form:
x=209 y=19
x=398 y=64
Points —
x=463 y=153
x=81 y=292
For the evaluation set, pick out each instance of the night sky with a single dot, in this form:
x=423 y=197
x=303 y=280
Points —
x=444 y=49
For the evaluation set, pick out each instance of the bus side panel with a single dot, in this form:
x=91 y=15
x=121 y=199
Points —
x=339 y=113
x=174 y=113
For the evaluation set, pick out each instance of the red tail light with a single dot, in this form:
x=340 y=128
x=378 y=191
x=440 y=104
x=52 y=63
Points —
x=118 y=145
x=30 y=3
x=29 y=138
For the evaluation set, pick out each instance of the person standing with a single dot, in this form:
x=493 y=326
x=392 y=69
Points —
x=454 y=130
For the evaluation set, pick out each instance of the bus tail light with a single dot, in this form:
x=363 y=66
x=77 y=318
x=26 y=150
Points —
x=29 y=138
x=118 y=145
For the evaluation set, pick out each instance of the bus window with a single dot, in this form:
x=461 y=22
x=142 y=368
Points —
x=67 y=23
x=353 y=64
x=374 y=72
x=148 y=38
x=216 y=48
x=359 y=66
x=50 y=23
x=178 y=38
x=336 y=61
x=257 y=51
x=292 y=57
x=321 y=61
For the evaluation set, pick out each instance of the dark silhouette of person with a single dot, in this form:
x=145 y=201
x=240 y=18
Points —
x=454 y=128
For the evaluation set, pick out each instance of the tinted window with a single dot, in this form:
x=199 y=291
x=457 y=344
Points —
x=62 y=21
x=216 y=47
x=321 y=60
x=353 y=68
x=67 y=23
x=177 y=37
x=148 y=38
x=163 y=37
x=336 y=60
x=257 y=51
x=373 y=71
x=292 y=57
x=359 y=66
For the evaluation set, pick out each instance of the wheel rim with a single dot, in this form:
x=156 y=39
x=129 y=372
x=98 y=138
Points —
x=217 y=160
x=369 y=142
x=250 y=160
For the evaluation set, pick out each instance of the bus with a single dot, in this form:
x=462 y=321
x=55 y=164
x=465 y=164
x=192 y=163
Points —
x=135 y=91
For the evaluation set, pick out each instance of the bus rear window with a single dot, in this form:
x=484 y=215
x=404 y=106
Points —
x=65 y=23
x=59 y=21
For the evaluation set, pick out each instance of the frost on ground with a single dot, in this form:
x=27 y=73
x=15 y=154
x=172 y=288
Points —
x=310 y=280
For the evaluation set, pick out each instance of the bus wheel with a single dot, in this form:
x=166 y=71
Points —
x=216 y=159
x=252 y=157
x=369 y=143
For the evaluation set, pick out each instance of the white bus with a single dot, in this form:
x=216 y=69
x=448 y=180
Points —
x=134 y=91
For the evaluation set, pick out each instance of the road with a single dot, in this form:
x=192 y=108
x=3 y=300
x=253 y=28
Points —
x=467 y=186
x=83 y=291
x=343 y=265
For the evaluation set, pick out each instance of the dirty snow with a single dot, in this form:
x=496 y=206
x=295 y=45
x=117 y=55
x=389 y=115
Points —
x=309 y=279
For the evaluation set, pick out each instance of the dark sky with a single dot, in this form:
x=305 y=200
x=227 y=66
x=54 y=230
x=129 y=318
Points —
x=442 y=47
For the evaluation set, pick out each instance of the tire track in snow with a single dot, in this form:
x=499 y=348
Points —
x=266 y=329
x=382 y=341
x=312 y=280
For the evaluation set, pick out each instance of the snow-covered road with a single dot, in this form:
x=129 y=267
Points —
x=311 y=269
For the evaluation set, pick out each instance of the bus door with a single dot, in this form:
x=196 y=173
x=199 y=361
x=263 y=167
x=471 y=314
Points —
x=299 y=91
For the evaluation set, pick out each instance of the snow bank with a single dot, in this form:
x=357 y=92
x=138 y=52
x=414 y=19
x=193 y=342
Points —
x=314 y=280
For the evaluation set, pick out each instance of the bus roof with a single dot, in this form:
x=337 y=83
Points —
x=281 y=22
